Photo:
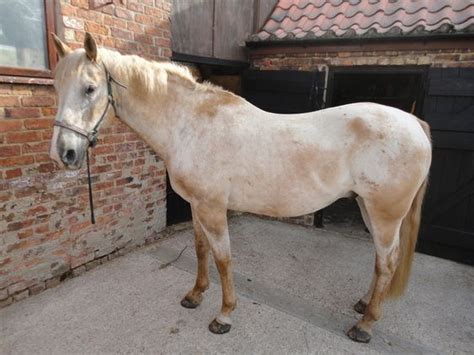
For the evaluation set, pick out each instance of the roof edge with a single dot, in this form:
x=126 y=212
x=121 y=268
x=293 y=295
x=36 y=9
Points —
x=360 y=39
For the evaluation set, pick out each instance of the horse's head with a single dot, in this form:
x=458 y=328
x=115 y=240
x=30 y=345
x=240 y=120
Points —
x=81 y=82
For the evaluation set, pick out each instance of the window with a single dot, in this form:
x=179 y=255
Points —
x=25 y=43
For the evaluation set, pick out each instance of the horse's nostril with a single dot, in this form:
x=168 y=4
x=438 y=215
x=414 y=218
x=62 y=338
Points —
x=70 y=156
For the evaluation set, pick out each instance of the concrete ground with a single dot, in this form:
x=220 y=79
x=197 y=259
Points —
x=295 y=285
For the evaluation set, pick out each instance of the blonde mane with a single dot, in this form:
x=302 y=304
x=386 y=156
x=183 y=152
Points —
x=151 y=77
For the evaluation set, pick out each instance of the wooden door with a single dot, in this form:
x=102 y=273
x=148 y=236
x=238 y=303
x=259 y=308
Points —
x=448 y=214
x=284 y=91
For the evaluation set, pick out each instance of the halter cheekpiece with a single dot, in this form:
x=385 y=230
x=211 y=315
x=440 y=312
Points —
x=92 y=135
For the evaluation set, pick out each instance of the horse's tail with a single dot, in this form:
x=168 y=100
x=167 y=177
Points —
x=408 y=236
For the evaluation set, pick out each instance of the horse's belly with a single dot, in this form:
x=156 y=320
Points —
x=288 y=201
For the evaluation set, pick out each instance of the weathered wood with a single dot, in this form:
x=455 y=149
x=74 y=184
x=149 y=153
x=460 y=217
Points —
x=217 y=28
x=233 y=25
x=192 y=27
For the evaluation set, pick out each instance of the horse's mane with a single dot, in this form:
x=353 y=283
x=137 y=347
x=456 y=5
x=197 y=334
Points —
x=151 y=77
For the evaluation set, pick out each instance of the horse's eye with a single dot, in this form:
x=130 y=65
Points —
x=90 y=90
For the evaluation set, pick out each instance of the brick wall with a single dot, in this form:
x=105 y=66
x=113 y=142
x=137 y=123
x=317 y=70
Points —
x=311 y=59
x=45 y=229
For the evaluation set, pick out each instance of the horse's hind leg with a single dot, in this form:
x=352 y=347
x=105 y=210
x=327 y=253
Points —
x=386 y=231
x=213 y=221
x=194 y=297
x=361 y=305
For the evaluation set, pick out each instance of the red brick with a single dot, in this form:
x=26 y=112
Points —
x=79 y=227
x=154 y=31
x=117 y=32
x=10 y=125
x=22 y=112
x=47 y=168
x=20 y=225
x=22 y=137
x=122 y=13
x=135 y=27
x=9 y=150
x=162 y=42
x=17 y=161
x=135 y=6
x=49 y=111
x=43 y=228
x=47 y=135
x=111 y=139
x=154 y=12
x=103 y=149
x=25 y=234
x=123 y=181
x=67 y=10
x=96 y=28
x=103 y=185
x=38 y=123
x=90 y=15
x=115 y=22
x=37 y=101
x=145 y=19
x=80 y=3
x=141 y=38
x=22 y=245
x=6 y=101
x=41 y=158
x=36 y=210
x=42 y=147
x=13 y=173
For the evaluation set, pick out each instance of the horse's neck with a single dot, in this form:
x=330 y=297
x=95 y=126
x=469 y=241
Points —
x=155 y=117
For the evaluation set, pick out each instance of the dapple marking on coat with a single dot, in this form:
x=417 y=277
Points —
x=221 y=153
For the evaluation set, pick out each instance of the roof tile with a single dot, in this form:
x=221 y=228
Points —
x=304 y=19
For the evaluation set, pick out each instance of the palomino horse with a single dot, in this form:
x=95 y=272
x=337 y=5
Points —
x=221 y=153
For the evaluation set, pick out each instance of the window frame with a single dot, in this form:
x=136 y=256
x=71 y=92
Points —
x=50 y=26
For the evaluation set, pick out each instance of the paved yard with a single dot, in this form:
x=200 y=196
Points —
x=295 y=285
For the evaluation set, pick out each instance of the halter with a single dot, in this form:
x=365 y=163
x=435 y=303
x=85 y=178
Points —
x=92 y=135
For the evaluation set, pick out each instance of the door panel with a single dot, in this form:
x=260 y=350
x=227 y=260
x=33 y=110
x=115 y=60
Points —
x=448 y=214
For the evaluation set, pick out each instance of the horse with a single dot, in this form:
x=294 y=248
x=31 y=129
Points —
x=223 y=153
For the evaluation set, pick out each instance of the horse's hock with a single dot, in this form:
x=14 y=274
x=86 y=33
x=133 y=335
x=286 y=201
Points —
x=44 y=213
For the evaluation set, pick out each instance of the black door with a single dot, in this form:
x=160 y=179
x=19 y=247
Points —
x=448 y=214
x=284 y=91
x=401 y=87
x=177 y=209
x=397 y=87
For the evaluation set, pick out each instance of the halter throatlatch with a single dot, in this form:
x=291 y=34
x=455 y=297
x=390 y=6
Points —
x=92 y=135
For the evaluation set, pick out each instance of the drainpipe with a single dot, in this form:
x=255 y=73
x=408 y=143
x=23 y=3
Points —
x=326 y=78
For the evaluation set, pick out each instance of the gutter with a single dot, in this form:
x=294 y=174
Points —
x=356 y=40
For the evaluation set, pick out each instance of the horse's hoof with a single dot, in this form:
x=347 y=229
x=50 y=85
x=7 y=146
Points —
x=218 y=328
x=187 y=302
x=356 y=333
x=360 y=307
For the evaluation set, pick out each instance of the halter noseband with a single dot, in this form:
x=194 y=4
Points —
x=92 y=135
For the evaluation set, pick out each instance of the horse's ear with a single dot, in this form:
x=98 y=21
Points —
x=91 y=47
x=61 y=47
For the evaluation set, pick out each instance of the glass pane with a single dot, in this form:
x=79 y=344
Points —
x=22 y=34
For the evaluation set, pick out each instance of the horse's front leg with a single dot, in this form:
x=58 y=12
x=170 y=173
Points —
x=194 y=297
x=213 y=220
